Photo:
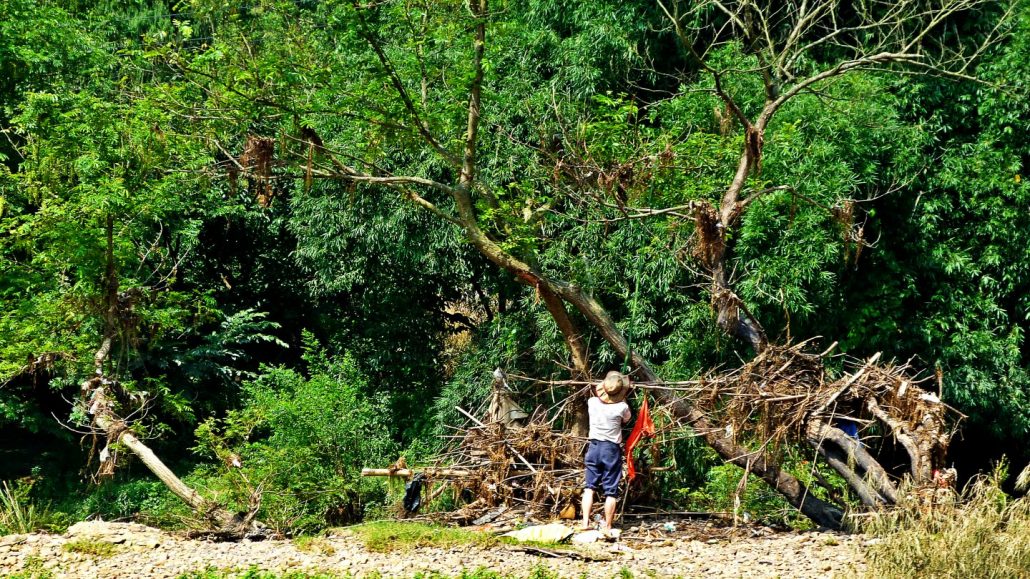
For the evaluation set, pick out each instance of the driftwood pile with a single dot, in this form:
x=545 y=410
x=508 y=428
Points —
x=509 y=463
x=529 y=467
x=784 y=395
x=515 y=463
x=784 y=387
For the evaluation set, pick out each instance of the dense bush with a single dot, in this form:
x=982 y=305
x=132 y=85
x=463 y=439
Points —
x=147 y=500
x=300 y=443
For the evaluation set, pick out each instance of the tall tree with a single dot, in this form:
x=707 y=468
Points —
x=421 y=103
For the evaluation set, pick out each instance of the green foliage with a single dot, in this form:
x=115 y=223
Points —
x=327 y=422
x=381 y=257
x=16 y=514
x=949 y=280
x=146 y=500
x=19 y=513
x=127 y=117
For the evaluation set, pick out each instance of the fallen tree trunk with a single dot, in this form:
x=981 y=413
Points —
x=847 y=456
x=222 y=518
x=793 y=490
x=117 y=431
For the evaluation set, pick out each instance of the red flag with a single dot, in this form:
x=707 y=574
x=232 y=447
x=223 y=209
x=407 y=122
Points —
x=643 y=427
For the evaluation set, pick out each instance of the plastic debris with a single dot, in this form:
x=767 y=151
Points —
x=587 y=537
x=413 y=493
x=551 y=533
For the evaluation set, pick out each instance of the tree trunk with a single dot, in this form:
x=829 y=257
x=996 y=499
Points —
x=580 y=358
x=850 y=459
x=211 y=511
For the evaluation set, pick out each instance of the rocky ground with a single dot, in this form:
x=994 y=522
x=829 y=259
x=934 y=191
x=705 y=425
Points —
x=127 y=550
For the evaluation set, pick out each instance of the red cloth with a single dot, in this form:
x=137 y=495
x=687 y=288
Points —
x=643 y=427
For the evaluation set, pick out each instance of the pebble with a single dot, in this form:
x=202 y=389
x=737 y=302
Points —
x=146 y=552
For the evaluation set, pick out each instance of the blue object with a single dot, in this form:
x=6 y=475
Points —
x=604 y=467
x=849 y=427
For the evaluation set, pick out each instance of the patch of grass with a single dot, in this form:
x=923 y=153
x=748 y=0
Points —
x=91 y=547
x=549 y=545
x=481 y=573
x=537 y=572
x=385 y=536
x=33 y=569
x=543 y=572
x=254 y=573
x=314 y=545
x=982 y=533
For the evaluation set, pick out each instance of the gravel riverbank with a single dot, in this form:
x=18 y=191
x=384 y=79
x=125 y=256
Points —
x=130 y=550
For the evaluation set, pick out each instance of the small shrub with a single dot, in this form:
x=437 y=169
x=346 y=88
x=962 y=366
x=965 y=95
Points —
x=18 y=514
x=146 y=500
x=544 y=572
x=90 y=547
x=328 y=422
x=982 y=533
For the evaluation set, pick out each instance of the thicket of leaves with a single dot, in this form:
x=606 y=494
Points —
x=301 y=443
x=124 y=113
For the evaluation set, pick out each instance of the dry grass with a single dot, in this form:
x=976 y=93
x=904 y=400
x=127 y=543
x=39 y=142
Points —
x=983 y=533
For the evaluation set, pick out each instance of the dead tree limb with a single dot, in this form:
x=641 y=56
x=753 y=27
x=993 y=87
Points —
x=847 y=456
x=100 y=404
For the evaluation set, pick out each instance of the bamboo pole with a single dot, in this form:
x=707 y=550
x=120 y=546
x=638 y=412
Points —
x=408 y=473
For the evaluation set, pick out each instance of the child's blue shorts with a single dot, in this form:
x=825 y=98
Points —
x=604 y=467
